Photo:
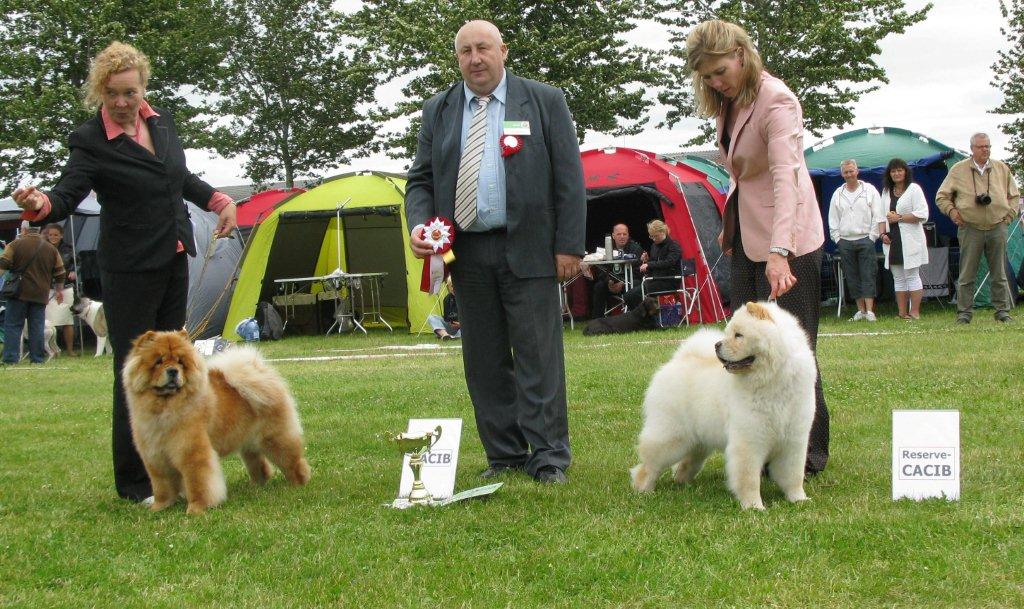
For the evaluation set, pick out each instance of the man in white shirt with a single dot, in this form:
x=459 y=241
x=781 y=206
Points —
x=855 y=220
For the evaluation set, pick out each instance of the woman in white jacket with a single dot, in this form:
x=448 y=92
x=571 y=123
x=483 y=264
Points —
x=903 y=243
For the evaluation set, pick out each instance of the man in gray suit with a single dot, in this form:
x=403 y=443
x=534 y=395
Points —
x=497 y=154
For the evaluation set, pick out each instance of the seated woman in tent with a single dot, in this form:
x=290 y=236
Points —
x=662 y=264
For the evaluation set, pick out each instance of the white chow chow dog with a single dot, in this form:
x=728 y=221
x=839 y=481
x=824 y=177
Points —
x=748 y=391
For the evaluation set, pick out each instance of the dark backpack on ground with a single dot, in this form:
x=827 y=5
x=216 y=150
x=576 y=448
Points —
x=271 y=326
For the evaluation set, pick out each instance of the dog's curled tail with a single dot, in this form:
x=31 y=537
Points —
x=245 y=370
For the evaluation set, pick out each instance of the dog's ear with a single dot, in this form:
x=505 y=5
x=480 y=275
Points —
x=183 y=332
x=758 y=311
x=149 y=336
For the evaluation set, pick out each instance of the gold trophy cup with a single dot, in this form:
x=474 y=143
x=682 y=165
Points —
x=417 y=445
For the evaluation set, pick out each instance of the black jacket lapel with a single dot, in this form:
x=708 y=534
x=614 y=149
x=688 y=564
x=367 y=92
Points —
x=158 y=133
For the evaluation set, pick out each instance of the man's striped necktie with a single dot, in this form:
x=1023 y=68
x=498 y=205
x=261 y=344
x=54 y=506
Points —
x=469 y=166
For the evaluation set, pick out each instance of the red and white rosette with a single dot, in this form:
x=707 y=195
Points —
x=439 y=234
x=511 y=144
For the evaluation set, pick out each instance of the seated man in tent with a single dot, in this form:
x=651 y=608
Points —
x=607 y=283
x=447 y=327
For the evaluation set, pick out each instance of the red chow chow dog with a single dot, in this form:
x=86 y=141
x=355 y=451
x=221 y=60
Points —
x=186 y=412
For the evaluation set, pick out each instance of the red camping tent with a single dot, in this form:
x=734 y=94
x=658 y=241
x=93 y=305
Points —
x=252 y=210
x=634 y=187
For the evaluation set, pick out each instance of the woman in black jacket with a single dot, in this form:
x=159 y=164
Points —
x=130 y=155
x=663 y=261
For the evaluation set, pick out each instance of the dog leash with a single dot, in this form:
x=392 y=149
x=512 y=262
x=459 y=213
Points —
x=711 y=272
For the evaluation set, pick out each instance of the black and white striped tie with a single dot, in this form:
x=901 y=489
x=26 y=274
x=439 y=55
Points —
x=469 y=166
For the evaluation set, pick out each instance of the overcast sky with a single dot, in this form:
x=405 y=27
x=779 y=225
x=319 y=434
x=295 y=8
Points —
x=939 y=73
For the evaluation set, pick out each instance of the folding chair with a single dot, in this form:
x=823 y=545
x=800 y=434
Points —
x=436 y=308
x=563 y=302
x=687 y=294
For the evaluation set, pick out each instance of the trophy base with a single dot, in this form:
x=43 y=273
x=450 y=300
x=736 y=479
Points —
x=403 y=503
x=420 y=496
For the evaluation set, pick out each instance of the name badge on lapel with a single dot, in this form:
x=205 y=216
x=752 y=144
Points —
x=515 y=128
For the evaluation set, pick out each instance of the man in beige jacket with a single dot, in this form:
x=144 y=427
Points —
x=980 y=196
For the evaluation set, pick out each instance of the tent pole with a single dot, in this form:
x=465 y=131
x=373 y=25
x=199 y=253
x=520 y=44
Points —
x=716 y=298
x=78 y=285
x=337 y=234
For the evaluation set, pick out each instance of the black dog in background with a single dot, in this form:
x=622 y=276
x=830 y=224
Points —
x=644 y=317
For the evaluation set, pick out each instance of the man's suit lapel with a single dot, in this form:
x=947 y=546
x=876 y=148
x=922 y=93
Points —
x=517 y=108
x=451 y=123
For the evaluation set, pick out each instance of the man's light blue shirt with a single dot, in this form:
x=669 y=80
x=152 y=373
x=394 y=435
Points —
x=490 y=193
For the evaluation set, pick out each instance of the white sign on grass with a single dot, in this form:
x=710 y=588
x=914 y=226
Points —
x=439 y=465
x=926 y=454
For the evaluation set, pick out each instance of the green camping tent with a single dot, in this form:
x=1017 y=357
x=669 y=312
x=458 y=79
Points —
x=301 y=238
x=1014 y=255
x=874 y=147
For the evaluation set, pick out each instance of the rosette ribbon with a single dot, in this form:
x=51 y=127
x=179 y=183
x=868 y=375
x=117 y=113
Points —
x=439 y=234
x=510 y=144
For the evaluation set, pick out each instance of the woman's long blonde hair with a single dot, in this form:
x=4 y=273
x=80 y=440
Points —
x=114 y=59
x=715 y=39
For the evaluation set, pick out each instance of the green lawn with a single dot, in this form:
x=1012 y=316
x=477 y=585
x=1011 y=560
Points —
x=66 y=541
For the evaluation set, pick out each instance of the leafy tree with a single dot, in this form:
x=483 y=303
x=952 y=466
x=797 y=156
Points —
x=571 y=44
x=825 y=50
x=46 y=47
x=1009 y=78
x=293 y=89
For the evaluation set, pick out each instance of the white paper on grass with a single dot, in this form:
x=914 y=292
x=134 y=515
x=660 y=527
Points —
x=926 y=454
x=440 y=464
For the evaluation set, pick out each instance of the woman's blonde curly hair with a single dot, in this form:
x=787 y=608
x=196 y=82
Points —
x=114 y=59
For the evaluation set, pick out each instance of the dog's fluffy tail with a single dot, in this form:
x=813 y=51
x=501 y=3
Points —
x=245 y=370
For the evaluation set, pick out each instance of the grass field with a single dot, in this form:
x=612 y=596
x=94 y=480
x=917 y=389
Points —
x=66 y=541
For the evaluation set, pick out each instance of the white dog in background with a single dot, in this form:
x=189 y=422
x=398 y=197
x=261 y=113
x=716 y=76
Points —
x=748 y=391
x=91 y=312
x=49 y=340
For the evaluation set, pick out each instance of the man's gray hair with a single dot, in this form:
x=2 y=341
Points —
x=848 y=162
x=978 y=136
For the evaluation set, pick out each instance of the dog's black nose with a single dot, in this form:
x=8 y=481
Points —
x=172 y=373
x=718 y=345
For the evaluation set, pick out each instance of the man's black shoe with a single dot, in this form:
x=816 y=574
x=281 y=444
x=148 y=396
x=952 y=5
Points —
x=963 y=319
x=549 y=474
x=498 y=469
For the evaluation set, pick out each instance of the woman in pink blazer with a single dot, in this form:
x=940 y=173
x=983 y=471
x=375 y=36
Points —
x=771 y=225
